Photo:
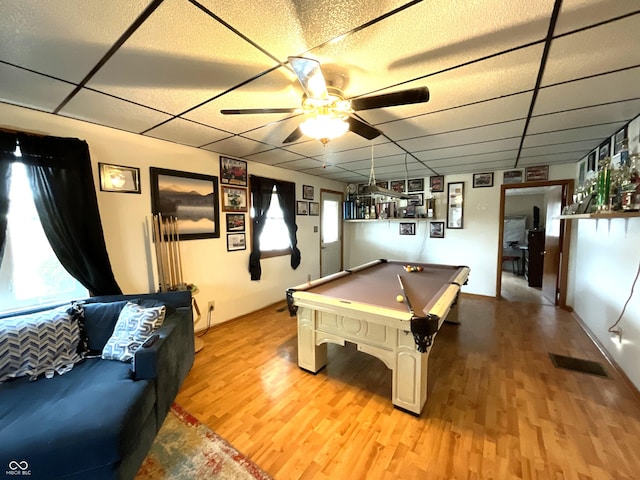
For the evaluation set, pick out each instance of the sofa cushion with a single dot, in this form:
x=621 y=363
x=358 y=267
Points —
x=135 y=324
x=43 y=342
x=91 y=417
x=99 y=321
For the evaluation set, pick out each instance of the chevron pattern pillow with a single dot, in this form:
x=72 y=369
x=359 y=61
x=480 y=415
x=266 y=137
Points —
x=43 y=342
x=135 y=324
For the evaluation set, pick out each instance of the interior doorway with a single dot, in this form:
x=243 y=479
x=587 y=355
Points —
x=330 y=232
x=534 y=243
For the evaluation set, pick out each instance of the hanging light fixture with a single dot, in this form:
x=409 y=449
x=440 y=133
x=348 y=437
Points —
x=373 y=189
x=324 y=127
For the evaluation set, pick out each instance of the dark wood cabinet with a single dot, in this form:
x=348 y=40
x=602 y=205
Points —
x=534 y=258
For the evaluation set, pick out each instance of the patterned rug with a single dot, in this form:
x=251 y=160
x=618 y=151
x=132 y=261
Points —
x=186 y=449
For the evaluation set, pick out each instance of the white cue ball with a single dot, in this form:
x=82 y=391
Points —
x=400 y=298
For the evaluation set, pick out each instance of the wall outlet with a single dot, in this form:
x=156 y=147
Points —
x=212 y=306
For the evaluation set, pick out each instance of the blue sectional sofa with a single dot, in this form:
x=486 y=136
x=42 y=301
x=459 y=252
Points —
x=98 y=420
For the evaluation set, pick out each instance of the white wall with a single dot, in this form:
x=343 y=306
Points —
x=220 y=275
x=523 y=205
x=604 y=262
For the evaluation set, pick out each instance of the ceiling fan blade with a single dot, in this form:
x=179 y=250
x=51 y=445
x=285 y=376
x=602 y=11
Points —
x=293 y=136
x=363 y=129
x=253 y=111
x=310 y=77
x=403 y=97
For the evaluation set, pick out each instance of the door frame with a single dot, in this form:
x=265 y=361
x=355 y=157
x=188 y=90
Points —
x=565 y=235
x=341 y=239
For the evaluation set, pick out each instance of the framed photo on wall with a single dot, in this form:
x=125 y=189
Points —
x=481 y=180
x=191 y=197
x=436 y=230
x=117 y=178
x=512 y=176
x=536 y=174
x=307 y=192
x=235 y=222
x=397 y=185
x=234 y=199
x=302 y=208
x=437 y=183
x=233 y=171
x=314 y=208
x=236 y=241
x=415 y=185
x=455 y=199
x=407 y=228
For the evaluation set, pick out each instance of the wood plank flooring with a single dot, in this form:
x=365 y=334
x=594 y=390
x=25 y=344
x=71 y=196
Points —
x=497 y=408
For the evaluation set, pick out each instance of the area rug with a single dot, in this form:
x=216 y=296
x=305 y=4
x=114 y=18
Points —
x=186 y=449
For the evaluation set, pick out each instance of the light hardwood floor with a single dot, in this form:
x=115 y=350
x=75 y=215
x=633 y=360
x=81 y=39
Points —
x=497 y=408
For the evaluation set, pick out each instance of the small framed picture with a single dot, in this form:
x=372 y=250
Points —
x=302 y=208
x=417 y=199
x=481 y=180
x=314 y=209
x=604 y=149
x=407 y=228
x=307 y=192
x=236 y=241
x=591 y=162
x=415 y=185
x=382 y=184
x=234 y=199
x=397 y=186
x=455 y=202
x=116 y=178
x=536 y=174
x=436 y=183
x=512 y=176
x=233 y=172
x=436 y=230
x=235 y=222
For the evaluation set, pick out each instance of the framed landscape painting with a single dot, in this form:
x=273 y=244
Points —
x=190 y=197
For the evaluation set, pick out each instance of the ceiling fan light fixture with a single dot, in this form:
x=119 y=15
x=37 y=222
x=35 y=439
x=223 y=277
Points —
x=324 y=127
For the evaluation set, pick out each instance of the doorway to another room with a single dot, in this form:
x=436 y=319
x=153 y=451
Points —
x=330 y=232
x=534 y=243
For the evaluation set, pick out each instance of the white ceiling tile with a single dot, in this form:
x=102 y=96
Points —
x=63 y=39
x=551 y=158
x=573 y=147
x=112 y=112
x=301 y=164
x=612 y=87
x=468 y=150
x=575 y=14
x=611 y=112
x=468 y=160
x=273 y=157
x=186 y=132
x=472 y=135
x=28 y=89
x=448 y=33
x=596 y=50
x=162 y=66
x=237 y=146
x=595 y=133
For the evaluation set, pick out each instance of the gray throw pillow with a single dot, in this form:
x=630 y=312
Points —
x=43 y=342
x=135 y=324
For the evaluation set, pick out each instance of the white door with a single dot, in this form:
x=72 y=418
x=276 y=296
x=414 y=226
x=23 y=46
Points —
x=330 y=232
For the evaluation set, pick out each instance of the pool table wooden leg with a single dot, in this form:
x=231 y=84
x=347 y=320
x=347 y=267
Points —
x=409 y=391
x=311 y=357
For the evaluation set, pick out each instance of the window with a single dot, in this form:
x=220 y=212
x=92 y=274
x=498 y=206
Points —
x=30 y=273
x=274 y=239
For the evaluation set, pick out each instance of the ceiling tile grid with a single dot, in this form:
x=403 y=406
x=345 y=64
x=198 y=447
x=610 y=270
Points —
x=165 y=69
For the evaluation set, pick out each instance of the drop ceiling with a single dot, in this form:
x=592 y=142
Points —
x=512 y=83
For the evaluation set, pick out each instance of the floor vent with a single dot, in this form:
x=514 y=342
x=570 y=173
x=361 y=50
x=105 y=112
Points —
x=578 y=365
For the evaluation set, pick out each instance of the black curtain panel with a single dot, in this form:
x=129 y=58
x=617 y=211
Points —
x=7 y=147
x=59 y=171
x=287 y=196
x=261 y=190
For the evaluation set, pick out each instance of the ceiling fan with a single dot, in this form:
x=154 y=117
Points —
x=328 y=113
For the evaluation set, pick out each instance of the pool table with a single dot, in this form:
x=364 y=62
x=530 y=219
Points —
x=362 y=306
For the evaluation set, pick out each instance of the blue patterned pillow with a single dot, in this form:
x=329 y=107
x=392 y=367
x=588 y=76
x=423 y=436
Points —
x=43 y=342
x=135 y=324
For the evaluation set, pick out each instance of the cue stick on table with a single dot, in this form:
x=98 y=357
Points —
x=406 y=298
